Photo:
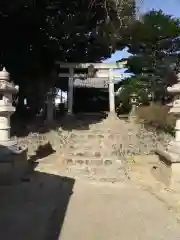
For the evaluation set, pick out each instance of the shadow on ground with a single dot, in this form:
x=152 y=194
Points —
x=35 y=209
x=42 y=152
x=80 y=121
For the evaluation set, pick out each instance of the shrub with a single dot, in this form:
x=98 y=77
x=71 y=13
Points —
x=157 y=115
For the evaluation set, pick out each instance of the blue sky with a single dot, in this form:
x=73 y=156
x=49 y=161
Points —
x=171 y=7
x=168 y=6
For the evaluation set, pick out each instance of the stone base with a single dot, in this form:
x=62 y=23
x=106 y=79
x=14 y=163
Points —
x=174 y=150
x=167 y=169
x=112 y=116
x=168 y=157
x=9 y=143
x=13 y=164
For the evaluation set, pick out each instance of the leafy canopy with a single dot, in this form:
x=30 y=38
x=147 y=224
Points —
x=154 y=42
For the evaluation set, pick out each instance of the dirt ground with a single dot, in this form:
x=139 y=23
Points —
x=51 y=207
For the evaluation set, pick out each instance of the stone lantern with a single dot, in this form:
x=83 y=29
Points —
x=91 y=71
x=13 y=159
x=172 y=152
x=7 y=90
x=174 y=147
x=133 y=101
x=50 y=99
x=150 y=98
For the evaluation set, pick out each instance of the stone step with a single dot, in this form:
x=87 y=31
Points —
x=84 y=153
x=92 y=145
x=85 y=146
x=84 y=142
x=98 y=173
x=94 y=140
x=111 y=173
x=88 y=153
x=92 y=161
x=84 y=137
x=94 y=134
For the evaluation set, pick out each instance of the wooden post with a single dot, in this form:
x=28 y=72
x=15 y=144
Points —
x=70 y=91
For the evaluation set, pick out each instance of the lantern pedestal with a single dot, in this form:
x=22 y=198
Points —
x=13 y=159
x=169 y=167
x=173 y=149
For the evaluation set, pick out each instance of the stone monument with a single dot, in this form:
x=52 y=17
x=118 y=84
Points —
x=13 y=159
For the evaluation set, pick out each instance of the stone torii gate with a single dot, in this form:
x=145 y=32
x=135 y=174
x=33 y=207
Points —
x=103 y=71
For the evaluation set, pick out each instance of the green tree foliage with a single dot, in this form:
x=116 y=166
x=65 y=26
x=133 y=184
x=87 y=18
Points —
x=36 y=33
x=129 y=86
x=154 y=42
